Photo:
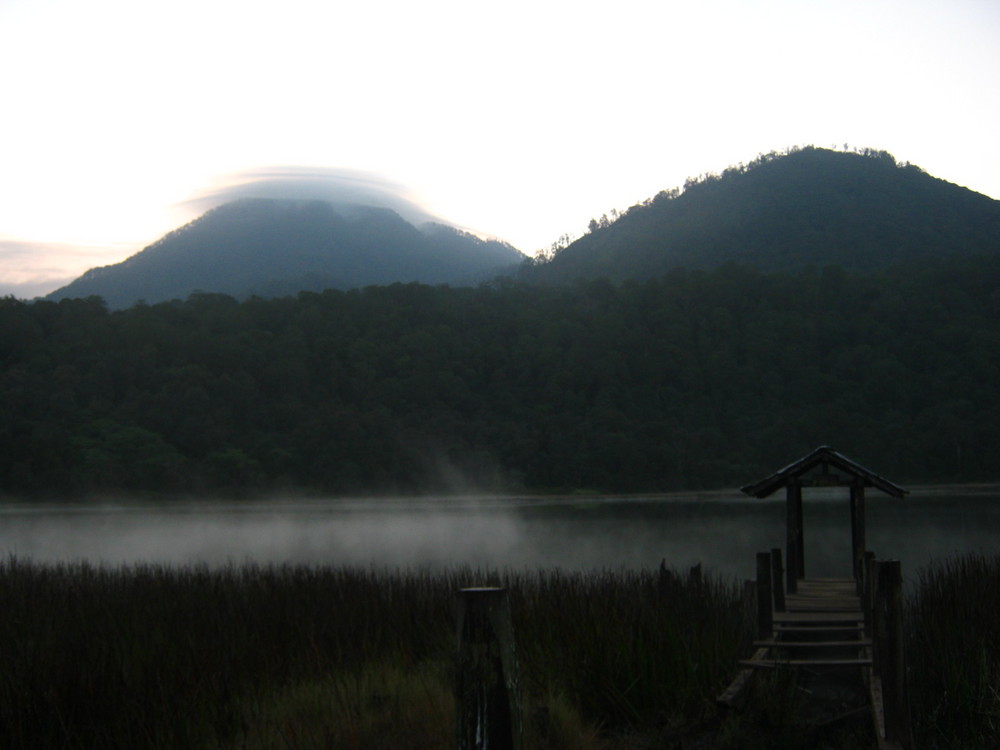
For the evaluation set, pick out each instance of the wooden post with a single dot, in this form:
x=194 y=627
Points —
x=868 y=589
x=748 y=599
x=800 y=571
x=694 y=575
x=765 y=613
x=666 y=580
x=793 y=535
x=892 y=661
x=777 y=584
x=857 y=529
x=487 y=693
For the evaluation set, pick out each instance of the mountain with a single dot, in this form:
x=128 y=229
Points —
x=273 y=248
x=809 y=207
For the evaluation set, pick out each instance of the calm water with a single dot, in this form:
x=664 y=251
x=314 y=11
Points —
x=721 y=530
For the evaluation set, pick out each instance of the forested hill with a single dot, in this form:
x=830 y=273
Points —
x=810 y=206
x=695 y=379
x=279 y=247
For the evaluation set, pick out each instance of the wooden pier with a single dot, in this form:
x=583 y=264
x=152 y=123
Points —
x=827 y=627
x=823 y=625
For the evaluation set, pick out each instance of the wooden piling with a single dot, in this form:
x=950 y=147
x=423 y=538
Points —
x=793 y=535
x=487 y=691
x=694 y=575
x=857 y=528
x=891 y=661
x=666 y=581
x=777 y=580
x=765 y=601
x=749 y=600
x=868 y=589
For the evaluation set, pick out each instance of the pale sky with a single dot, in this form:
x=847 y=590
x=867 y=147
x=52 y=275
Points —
x=520 y=120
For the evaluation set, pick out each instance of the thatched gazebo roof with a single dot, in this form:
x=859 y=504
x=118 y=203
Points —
x=823 y=467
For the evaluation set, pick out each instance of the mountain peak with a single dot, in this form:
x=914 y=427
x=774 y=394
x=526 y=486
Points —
x=273 y=247
x=809 y=206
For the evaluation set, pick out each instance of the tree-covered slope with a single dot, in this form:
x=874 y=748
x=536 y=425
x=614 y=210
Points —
x=273 y=248
x=811 y=206
x=695 y=379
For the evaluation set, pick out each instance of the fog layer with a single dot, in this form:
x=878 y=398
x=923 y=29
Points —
x=721 y=531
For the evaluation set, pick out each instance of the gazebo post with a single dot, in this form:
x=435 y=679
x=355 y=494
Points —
x=823 y=467
x=858 y=526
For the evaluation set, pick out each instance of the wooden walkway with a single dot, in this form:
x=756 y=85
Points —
x=823 y=625
x=821 y=629
x=832 y=629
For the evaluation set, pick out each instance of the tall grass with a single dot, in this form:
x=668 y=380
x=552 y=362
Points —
x=247 y=657
x=252 y=657
x=953 y=653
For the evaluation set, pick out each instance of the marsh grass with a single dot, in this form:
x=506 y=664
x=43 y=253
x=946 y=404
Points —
x=247 y=657
x=954 y=653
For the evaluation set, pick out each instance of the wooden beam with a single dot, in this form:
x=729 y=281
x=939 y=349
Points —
x=818 y=629
x=806 y=618
x=775 y=663
x=859 y=643
x=734 y=695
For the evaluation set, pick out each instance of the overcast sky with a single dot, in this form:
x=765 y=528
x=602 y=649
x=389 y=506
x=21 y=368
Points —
x=520 y=120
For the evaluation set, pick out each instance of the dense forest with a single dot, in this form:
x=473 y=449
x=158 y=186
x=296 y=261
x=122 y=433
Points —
x=692 y=379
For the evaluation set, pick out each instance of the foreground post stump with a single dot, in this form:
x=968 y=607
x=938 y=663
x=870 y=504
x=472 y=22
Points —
x=891 y=654
x=487 y=694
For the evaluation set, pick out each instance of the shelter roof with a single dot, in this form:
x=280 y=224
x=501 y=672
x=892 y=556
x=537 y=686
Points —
x=823 y=467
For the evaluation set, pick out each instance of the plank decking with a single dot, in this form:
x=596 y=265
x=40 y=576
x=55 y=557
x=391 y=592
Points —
x=822 y=627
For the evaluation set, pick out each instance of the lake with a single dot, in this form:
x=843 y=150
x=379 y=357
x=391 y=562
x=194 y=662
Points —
x=722 y=530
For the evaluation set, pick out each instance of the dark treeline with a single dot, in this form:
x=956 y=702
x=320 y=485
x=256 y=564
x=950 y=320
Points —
x=696 y=379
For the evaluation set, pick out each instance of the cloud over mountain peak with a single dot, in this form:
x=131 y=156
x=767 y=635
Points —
x=328 y=184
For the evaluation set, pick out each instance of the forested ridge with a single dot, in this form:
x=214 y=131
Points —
x=860 y=210
x=694 y=379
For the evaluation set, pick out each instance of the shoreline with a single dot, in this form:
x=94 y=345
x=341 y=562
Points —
x=120 y=500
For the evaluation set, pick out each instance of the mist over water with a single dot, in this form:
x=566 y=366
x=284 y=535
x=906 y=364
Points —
x=720 y=530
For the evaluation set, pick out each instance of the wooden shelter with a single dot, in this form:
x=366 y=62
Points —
x=823 y=467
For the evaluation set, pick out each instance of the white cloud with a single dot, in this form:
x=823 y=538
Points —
x=33 y=269
x=348 y=186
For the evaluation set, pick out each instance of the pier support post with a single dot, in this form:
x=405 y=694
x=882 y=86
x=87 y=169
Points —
x=857 y=529
x=891 y=655
x=694 y=575
x=765 y=613
x=869 y=567
x=487 y=693
x=777 y=581
x=793 y=535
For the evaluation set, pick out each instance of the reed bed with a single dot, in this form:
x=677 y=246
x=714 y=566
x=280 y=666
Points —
x=953 y=652
x=246 y=656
